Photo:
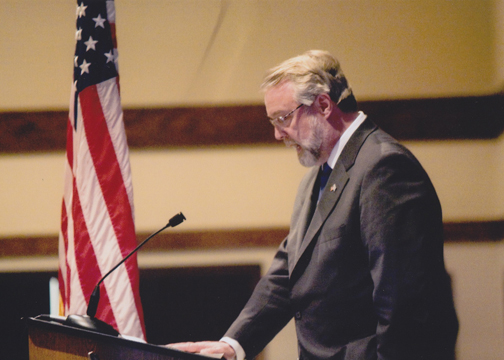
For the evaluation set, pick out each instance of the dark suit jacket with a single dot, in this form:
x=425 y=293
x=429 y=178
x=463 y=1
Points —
x=363 y=277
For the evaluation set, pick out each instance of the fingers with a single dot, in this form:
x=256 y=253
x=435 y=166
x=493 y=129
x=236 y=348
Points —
x=193 y=347
x=206 y=347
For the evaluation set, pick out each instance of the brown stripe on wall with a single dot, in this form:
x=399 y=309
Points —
x=486 y=231
x=478 y=117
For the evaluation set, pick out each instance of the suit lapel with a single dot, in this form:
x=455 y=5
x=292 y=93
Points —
x=332 y=192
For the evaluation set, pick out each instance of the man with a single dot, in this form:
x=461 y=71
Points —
x=362 y=269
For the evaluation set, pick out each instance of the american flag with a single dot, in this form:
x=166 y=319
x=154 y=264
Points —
x=97 y=226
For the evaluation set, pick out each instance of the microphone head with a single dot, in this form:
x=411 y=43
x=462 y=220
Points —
x=176 y=220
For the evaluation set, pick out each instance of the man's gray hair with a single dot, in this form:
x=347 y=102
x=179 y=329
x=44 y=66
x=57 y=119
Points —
x=312 y=73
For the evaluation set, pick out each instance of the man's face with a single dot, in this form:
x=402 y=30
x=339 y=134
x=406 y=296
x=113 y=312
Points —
x=304 y=131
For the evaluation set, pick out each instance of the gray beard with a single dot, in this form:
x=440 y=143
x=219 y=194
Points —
x=311 y=151
x=309 y=157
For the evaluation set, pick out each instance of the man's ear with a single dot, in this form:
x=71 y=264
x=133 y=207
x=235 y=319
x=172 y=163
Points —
x=324 y=104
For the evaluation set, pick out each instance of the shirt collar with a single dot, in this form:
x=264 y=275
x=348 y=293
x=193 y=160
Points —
x=340 y=144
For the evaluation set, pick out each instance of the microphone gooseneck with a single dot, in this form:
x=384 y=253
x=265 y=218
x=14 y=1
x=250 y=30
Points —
x=95 y=296
x=89 y=322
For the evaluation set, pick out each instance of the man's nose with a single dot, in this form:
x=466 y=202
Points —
x=279 y=133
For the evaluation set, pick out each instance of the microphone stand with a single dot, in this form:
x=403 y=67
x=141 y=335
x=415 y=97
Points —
x=89 y=322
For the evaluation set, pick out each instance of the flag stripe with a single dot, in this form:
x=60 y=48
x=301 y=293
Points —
x=111 y=18
x=64 y=241
x=63 y=248
x=108 y=171
x=98 y=235
x=87 y=265
x=108 y=93
x=107 y=168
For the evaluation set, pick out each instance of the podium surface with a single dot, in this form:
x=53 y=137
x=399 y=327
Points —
x=51 y=339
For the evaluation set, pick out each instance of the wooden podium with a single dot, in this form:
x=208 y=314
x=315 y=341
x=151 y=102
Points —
x=51 y=339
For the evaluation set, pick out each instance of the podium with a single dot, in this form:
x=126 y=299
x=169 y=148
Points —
x=51 y=339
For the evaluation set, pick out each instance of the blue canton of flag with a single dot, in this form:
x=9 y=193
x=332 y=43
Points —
x=96 y=51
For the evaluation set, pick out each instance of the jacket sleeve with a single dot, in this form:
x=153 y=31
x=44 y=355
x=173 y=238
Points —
x=267 y=310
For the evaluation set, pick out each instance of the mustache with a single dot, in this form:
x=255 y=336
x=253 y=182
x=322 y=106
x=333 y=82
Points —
x=290 y=143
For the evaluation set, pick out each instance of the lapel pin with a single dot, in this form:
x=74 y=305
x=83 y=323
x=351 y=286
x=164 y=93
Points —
x=333 y=188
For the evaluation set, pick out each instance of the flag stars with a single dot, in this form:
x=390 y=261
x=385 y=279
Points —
x=94 y=57
x=99 y=21
x=85 y=67
x=81 y=10
x=90 y=44
x=110 y=57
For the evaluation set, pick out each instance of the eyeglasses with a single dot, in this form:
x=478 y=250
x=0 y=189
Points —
x=282 y=121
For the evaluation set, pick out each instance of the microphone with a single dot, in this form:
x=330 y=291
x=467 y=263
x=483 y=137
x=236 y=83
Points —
x=89 y=322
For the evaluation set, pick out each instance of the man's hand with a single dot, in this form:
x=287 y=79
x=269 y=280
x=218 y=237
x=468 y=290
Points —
x=206 y=347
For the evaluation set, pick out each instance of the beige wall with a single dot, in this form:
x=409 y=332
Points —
x=168 y=55
x=257 y=191
x=215 y=52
